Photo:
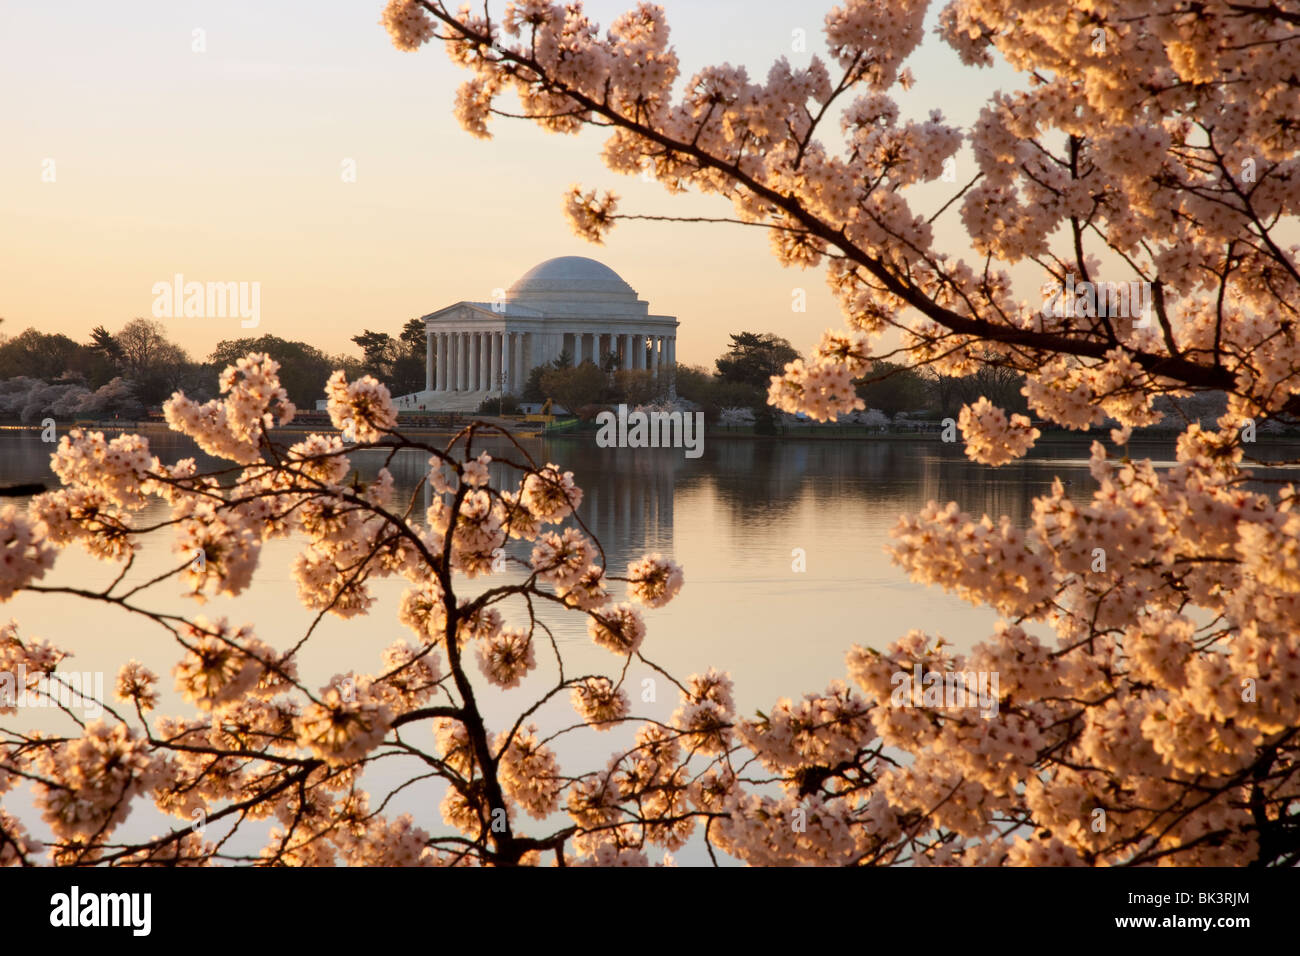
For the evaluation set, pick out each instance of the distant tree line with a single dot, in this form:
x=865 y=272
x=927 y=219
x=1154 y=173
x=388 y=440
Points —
x=741 y=376
x=124 y=374
x=127 y=373
x=397 y=362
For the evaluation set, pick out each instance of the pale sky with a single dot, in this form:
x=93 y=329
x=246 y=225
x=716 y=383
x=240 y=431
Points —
x=226 y=165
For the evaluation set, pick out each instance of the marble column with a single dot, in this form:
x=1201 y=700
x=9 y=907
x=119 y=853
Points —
x=450 y=385
x=467 y=361
x=462 y=360
x=484 y=358
x=506 y=367
x=449 y=362
x=496 y=361
x=444 y=360
x=517 y=370
x=511 y=362
x=437 y=360
x=672 y=366
x=444 y=367
x=428 y=361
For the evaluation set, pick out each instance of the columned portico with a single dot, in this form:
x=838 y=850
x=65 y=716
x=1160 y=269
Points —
x=570 y=305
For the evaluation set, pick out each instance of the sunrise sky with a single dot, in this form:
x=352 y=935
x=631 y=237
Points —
x=226 y=165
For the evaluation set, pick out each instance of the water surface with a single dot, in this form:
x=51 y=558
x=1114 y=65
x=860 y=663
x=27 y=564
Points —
x=732 y=518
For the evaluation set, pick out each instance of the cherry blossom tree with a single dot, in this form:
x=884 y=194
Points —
x=1147 y=656
x=261 y=747
x=1149 y=648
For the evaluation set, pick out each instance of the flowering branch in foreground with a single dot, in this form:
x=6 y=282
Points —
x=259 y=744
x=1159 y=725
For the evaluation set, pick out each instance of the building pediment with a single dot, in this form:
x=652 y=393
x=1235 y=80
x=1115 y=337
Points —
x=466 y=311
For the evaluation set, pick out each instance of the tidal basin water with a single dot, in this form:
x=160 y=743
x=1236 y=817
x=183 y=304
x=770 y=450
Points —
x=733 y=518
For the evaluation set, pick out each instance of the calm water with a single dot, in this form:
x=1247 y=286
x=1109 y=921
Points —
x=731 y=518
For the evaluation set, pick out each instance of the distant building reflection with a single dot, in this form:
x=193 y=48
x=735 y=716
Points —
x=629 y=494
x=628 y=506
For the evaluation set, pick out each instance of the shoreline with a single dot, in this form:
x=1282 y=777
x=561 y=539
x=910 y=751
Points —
x=798 y=433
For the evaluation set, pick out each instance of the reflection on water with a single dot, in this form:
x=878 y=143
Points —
x=759 y=481
x=732 y=518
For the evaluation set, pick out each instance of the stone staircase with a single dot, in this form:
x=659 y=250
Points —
x=463 y=402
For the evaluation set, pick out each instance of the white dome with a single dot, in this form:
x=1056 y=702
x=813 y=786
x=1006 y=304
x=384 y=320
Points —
x=570 y=275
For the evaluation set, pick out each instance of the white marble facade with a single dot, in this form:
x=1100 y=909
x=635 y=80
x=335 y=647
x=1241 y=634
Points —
x=570 y=304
